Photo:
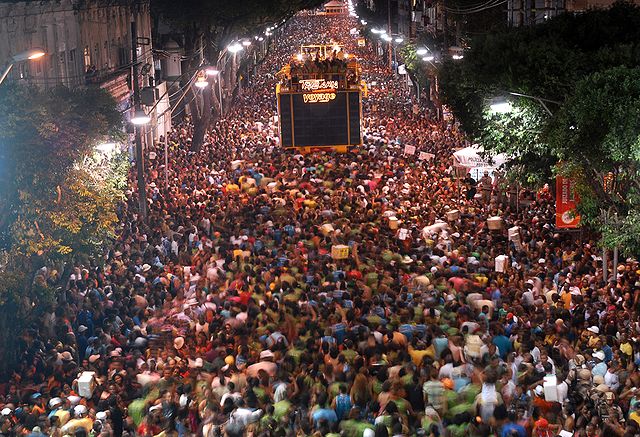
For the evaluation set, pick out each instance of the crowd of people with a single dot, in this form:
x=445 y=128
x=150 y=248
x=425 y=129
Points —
x=231 y=311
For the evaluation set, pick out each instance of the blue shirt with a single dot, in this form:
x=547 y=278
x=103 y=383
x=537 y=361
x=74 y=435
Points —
x=503 y=344
x=509 y=429
x=324 y=414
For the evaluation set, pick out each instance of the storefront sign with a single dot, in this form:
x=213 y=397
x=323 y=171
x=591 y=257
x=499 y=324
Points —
x=318 y=97
x=318 y=84
x=566 y=201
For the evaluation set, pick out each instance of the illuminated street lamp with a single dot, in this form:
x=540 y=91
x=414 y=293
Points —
x=421 y=51
x=201 y=83
x=428 y=58
x=235 y=47
x=23 y=56
x=246 y=43
x=399 y=40
x=212 y=71
x=140 y=117
x=457 y=57
x=501 y=105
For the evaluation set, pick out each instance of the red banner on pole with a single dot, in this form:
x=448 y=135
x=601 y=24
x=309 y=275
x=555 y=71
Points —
x=566 y=200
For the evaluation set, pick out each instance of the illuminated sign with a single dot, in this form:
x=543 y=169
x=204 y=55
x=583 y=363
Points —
x=318 y=97
x=318 y=84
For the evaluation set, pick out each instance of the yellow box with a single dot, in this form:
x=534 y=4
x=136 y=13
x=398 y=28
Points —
x=339 y=251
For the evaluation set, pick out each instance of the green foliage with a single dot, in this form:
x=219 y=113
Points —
x=223 y=19
x=589 y=63
x=55 y=201
x=417 y=68
x=546 y=60
x=49 y=204
x=624 y=234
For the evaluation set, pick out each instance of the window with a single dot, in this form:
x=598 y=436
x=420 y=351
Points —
x=87 y=57
x=122 y=56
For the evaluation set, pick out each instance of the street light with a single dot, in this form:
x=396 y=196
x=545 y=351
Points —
x=246 y=43
x=30 y=54
x=428 y=58
x=235 y=48
x=140 y=117
x=501 y=106
x=421 y=51
x=201 y=82
x=399 y=40
x=212 y=71
x=457 y=57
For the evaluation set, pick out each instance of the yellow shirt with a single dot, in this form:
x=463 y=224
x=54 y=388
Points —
x=418 y=355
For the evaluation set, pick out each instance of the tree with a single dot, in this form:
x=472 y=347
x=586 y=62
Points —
x=209 y=25
x=597 y=133
x=571 y=59
x=52 y=208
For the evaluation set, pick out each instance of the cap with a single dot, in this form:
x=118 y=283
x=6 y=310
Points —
x=54 y=402
x=599 y=355
x=264 y=355
x=594 y=329
x=79 y=410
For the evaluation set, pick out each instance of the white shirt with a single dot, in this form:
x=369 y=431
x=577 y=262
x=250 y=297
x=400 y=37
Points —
x=563 y=390
x=245 y=416
x=611 y=380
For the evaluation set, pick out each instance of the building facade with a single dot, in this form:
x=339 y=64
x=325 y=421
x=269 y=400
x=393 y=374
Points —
x=87 y=43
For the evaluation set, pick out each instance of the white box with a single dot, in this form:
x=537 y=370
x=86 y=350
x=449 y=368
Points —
x=550 y=386
x=501 y=263
x=86 y=384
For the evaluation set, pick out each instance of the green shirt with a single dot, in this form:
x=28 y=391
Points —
x=136 y=410
x=354 y=428
x=280 y=409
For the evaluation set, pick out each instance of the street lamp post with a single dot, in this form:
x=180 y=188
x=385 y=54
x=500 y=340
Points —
x=23 y=56
x=502 y=105
x=139 y=119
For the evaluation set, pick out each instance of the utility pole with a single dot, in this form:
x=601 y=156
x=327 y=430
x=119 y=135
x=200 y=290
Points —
x=389 y=32
x=142 y=189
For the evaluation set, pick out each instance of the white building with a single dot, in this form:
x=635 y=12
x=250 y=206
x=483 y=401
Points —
x=87 y=43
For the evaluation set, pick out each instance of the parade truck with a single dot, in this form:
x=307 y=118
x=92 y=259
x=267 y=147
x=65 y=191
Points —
x=319 y=94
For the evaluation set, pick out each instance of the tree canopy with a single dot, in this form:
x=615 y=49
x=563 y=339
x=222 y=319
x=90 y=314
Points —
x=588 y=64
x=54 y=206
x=211 y=24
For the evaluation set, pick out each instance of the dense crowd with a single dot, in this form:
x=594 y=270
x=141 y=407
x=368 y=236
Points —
x=230 y=312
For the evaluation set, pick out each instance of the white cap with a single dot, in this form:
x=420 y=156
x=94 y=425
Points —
x=54 y=401
x=79 y=410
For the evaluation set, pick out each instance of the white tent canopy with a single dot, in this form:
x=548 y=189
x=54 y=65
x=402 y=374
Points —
x=470 y=157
